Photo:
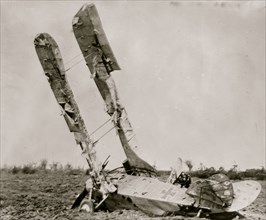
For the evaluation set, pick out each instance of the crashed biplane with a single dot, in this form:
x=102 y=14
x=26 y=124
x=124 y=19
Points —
x=136 y=186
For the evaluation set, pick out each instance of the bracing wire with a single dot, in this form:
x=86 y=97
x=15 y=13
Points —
x=69 y=61
x=104 y=134
x=73 y=65
x=77 y=62
x=100 y=126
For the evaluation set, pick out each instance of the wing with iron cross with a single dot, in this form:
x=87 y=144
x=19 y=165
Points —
x=101 y=62
x=52 y=64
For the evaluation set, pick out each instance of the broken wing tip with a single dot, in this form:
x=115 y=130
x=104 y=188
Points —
x=39 y=35
x=86 y=6
x=42 y=39
x=43 y=35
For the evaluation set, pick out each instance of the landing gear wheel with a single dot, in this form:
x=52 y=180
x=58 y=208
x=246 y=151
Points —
x=87 y=205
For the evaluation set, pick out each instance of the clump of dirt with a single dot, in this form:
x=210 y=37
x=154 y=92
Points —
x=49 y=195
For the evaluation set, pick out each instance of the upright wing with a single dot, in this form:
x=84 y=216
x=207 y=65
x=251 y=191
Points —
x=52 y=64
x=100 y=60
x=93 y=34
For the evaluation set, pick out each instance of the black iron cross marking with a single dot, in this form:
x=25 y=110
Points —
x=167 y=193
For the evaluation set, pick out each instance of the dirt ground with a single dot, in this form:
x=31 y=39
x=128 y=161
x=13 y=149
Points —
x=49 y=195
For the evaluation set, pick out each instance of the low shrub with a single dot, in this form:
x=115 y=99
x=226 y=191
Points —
x=43 y=164
x=234 y=175
x=260 y=176
x=28 y=169
x=15 y=170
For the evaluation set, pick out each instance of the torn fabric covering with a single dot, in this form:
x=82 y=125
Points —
x=73 y=127
x=104 y=81
x=223 y=188
x=80 y=137
x=89 y=152
x=109 y=94
x=215 y=192
x=113 y=92
x=172 y=177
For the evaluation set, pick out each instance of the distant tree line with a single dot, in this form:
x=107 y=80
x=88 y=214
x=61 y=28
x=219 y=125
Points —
x=233 y=173
x=257 y=174
x=43 y=167
x=202 y=172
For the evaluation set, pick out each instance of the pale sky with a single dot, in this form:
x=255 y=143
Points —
x=192 y=81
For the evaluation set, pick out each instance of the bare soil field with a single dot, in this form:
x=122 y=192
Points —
x=49 y=195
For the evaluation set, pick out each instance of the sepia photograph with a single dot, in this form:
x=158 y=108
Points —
x=133 y=109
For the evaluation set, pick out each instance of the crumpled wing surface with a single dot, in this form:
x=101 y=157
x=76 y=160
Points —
x=153 y=196
x=52 y=64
